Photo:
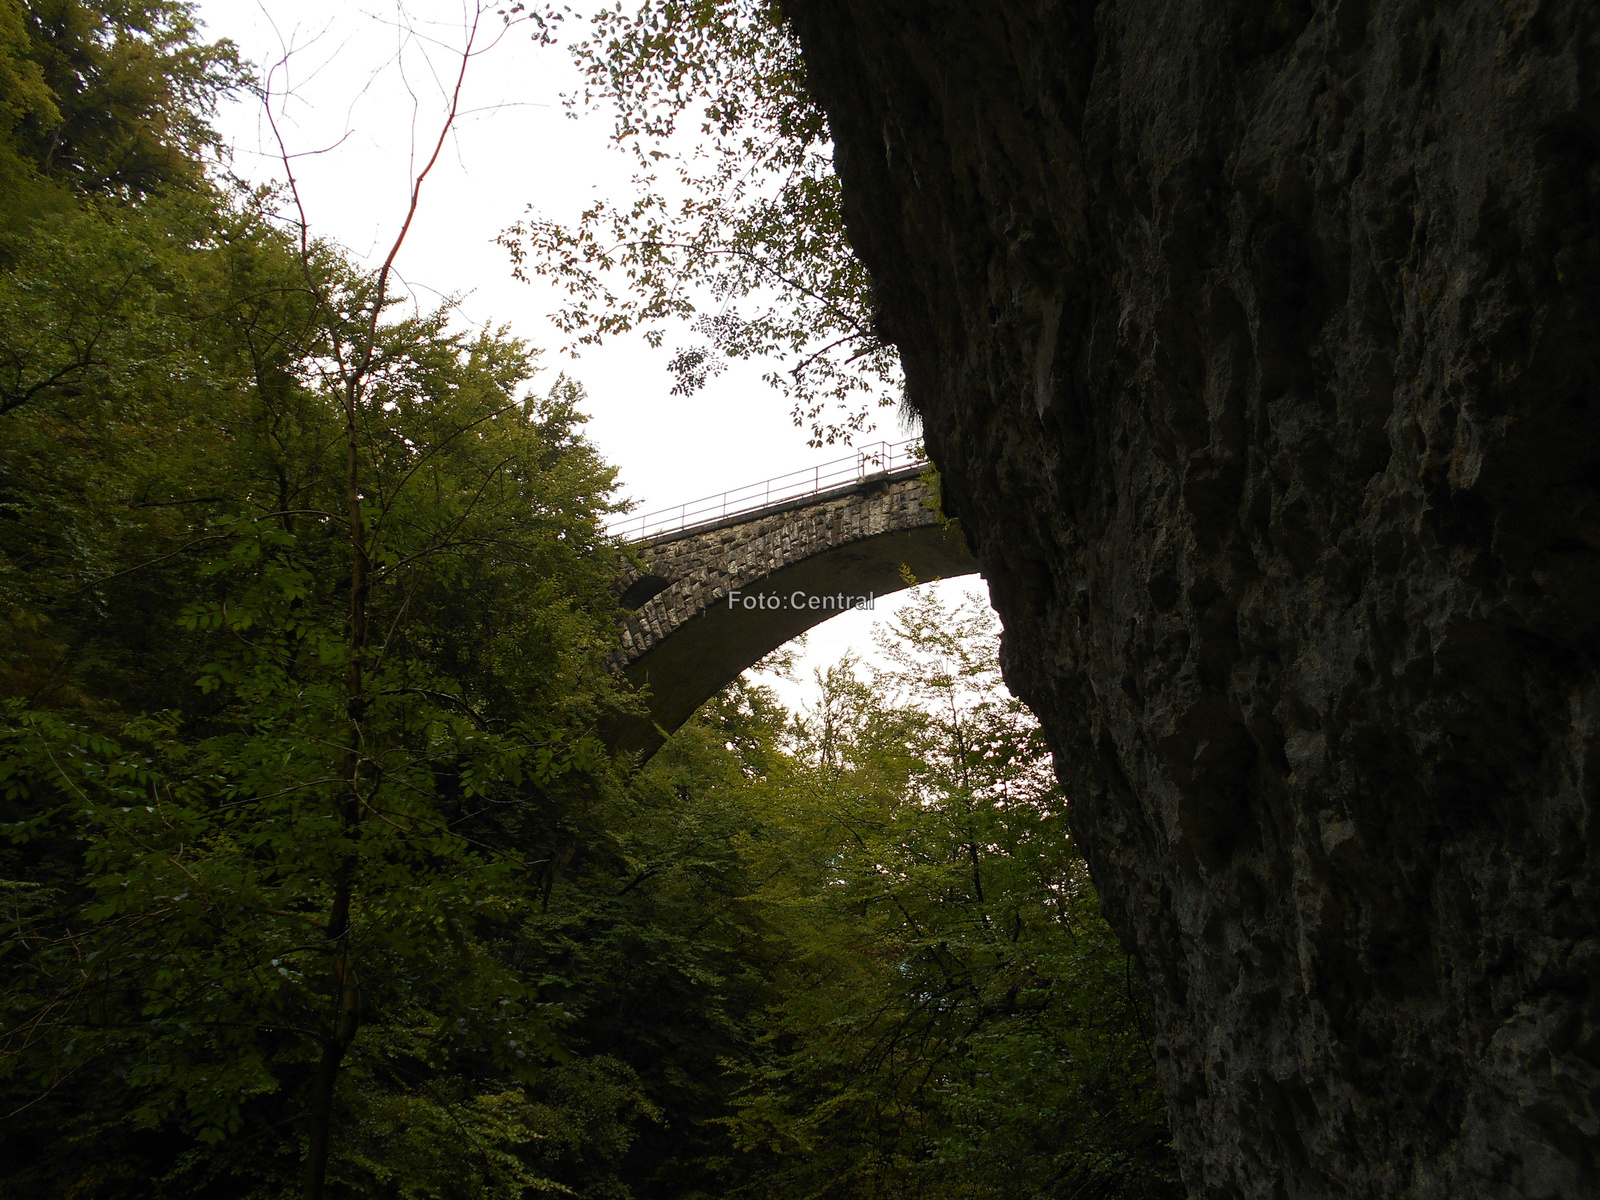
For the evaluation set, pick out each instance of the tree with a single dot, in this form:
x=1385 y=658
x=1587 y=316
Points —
x=350 y=312
x=757 y=222
x=184 y=982
x=293 y=892
x=315 y=876
x=111 y=99
x=956 y=1019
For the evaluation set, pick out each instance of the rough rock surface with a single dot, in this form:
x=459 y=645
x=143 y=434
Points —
x=1257 y=345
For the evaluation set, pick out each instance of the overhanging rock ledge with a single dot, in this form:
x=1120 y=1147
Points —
x=1256 y=341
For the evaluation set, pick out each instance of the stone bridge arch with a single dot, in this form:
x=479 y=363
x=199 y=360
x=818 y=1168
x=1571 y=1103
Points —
x=713 y=600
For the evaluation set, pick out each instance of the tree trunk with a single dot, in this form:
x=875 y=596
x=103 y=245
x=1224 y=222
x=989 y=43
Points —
x=346 y=1017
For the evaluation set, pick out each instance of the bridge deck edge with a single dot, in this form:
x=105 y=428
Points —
x=866 y=483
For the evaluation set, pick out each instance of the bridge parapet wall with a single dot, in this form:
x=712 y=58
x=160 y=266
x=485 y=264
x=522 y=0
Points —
x=683 y=641
x=700 y=567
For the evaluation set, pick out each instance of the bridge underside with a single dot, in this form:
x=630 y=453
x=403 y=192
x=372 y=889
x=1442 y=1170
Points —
x=709 y=650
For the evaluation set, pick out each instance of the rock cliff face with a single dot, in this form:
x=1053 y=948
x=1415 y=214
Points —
x=1257 y=343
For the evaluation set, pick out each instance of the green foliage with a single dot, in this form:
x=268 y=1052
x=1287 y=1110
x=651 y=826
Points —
x=130 y=87
x=174 y=873
x=746 y=213
x=955 y=1019
x=305 y=611
x=24 y=94
x=178 y=812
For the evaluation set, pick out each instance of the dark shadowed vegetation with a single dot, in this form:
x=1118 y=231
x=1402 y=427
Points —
x=316 y=877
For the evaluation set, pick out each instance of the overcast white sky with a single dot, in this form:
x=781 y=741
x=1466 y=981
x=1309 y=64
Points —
x=366 y=92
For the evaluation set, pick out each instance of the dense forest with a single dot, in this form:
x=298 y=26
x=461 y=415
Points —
x=318 y=875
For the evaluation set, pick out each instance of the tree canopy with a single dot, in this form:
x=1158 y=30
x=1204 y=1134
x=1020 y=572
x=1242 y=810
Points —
x=735 y=233
x=318 y=878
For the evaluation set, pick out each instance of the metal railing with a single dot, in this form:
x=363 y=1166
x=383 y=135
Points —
x=877 y=459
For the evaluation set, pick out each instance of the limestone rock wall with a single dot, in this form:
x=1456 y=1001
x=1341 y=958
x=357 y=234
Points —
x=1256 y=342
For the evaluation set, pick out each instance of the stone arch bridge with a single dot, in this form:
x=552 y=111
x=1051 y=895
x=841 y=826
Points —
x=723 y=582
